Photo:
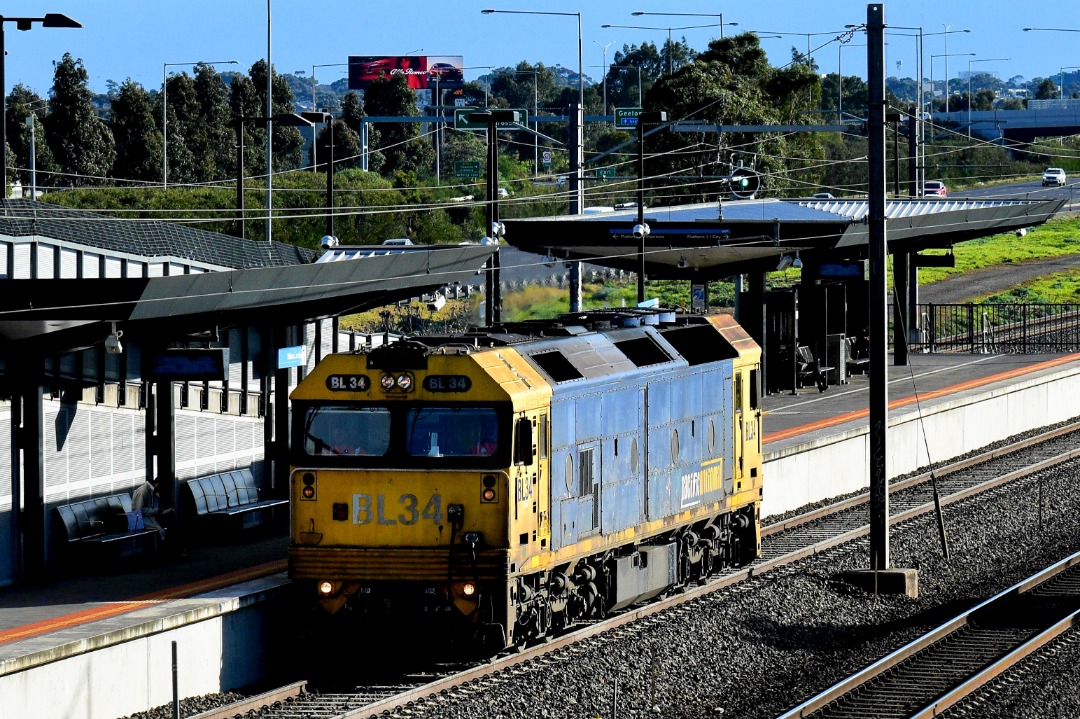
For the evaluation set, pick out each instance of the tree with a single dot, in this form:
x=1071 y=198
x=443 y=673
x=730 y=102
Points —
x=212 y=140
x=78 y=138
x=23 y=103
x=135 y=131
x=399 y=143
x=181 y=134
x=247 y=99
x=1047 y=90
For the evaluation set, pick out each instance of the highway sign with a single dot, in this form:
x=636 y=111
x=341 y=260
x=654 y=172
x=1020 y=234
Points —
x=627 y=116
x=605 y=172
x=467 y=168
x=545 y=158
x=462 y=120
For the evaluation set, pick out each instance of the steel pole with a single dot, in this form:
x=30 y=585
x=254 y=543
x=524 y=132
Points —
x=879 y=394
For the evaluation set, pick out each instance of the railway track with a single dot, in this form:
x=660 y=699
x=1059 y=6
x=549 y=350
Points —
x=783 y=543
x=946 y=665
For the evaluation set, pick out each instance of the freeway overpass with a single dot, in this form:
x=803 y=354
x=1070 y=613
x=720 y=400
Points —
x=1043 y=118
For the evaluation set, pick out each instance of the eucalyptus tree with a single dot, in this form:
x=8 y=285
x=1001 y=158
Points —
x=138 y=140
x=78 y=138
x=21 y=104
x=399 y=142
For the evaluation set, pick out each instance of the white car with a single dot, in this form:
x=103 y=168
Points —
x=1054 y=176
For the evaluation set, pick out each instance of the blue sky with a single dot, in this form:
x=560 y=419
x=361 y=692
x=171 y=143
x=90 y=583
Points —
x=134 y=38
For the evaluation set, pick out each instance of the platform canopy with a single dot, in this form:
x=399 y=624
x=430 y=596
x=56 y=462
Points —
x=712 y=241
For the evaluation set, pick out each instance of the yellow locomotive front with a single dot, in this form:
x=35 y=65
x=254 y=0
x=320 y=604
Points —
x=412 y=469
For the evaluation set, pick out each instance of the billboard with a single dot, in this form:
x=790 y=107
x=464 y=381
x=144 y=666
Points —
x=422 y=71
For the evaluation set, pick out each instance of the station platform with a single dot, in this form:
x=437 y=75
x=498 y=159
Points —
x=815 y=444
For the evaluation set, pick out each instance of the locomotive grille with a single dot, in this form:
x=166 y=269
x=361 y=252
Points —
x=396 y=564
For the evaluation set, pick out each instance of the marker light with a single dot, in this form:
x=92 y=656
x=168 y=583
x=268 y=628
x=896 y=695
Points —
x=488 y=495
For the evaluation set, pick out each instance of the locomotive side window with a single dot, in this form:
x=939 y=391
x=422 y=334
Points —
x=754 y=400
x=543 y=436
x=523 y=444
x=451 y=431
x=738 y=392
x=347 y=431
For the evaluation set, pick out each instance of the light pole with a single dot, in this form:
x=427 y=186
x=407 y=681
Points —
x=22 y=23
x=577 y=201
x=670 y=45
x=605 y=47
x=946 y=92
x=165 y=110
x=720 y=15
x=971 y=98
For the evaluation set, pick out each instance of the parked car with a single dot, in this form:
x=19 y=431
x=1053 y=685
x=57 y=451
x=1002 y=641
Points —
x=398 y=242
x=822 y=196
x=1054 y=176
x=935 y=188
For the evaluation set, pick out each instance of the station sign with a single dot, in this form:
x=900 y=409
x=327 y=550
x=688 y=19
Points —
x=290 y=357
x=627 y=116
x=467 y=168
x=188 y=365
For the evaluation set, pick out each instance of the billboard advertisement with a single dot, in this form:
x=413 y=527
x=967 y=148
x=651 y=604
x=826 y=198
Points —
x=422 y=71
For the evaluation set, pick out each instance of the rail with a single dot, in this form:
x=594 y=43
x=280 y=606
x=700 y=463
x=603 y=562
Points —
x=997 y=328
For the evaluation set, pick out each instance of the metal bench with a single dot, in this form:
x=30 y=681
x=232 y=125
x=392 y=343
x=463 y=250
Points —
x=857 y=361
x=230 y=499
x=105 y=528
x=808 y=368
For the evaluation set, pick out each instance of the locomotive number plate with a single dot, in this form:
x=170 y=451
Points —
x=348 y=383
x=447 y=383
x=406 y=509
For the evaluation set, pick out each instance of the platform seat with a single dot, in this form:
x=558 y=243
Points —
x=808 y=369
x=229 y=499
x=103 y=528
x=857 y=361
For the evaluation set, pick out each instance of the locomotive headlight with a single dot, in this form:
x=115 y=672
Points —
x=326 y=588
x=404 y=382
x=387 y=381
x=468 y=589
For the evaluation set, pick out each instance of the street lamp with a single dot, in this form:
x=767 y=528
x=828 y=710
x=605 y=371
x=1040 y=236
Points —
x=670 y=45
x=577 y=202
x=641 y=230
x=946 y=92
x=946 y=32
x=720 y=15
x=22 y=23
x=165 y=110
x=605 y=47
x=840 y=80
x=971 y=98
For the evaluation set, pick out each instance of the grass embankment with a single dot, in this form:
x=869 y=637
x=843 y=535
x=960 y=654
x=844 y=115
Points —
x=1057 y=238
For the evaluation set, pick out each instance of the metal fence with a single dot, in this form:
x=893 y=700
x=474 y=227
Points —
x=997 y=328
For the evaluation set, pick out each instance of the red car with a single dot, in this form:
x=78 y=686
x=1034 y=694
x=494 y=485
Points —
x=445 y=72
x=935 y=188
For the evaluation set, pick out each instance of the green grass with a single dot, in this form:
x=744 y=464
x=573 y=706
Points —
x=1057 y=238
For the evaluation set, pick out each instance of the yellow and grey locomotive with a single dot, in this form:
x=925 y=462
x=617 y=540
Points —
x=481 y=491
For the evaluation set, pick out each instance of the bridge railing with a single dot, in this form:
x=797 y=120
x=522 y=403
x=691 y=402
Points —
x=1014 y=328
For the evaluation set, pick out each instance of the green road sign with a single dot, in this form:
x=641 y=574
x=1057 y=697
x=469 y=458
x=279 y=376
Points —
x=463 y=121
x=627 y=116
x=467 y=168
x=605 y=172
